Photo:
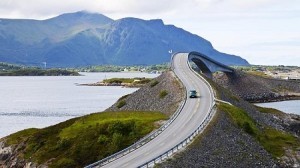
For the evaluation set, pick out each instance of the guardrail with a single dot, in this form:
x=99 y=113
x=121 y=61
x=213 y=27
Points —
x=182 y=144
x=144 y=140
x=190 y=138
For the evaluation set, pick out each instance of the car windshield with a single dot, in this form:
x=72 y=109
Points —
x=193 y=92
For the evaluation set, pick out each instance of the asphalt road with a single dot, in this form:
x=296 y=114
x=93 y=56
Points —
x=193 y=114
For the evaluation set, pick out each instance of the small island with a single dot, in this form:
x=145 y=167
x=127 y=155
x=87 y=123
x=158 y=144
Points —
x=125 y=82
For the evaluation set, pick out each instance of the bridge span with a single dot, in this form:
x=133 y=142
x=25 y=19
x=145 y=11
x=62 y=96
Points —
x=208 y=65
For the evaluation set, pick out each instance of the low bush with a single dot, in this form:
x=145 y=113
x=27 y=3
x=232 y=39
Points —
x=121 y=103
x=163 y=94
x=153 y=83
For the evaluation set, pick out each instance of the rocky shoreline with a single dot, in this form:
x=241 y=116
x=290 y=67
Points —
x=274 y=99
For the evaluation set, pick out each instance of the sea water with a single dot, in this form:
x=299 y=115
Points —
x=291 y=106
x=41 y=101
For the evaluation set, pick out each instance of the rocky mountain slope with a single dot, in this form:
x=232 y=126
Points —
x=82 y=38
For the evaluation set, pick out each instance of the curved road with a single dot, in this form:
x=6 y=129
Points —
x=192 y=115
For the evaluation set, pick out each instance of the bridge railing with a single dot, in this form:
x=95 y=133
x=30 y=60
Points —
x=191 y=137
x=144 y=140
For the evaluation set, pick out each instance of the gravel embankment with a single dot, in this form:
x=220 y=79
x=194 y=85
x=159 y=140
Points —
x=246 y=85
x=258 y=89
x=148 y=97
x=222 y=145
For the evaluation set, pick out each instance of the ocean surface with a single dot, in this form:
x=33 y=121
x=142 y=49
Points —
x=37 y=102
x=291 y=106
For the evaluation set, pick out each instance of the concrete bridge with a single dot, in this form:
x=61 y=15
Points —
x=208 y=65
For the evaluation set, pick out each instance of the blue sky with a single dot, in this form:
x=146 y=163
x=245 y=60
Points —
x=265 y=32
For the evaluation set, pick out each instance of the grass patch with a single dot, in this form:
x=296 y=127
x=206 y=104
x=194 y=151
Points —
x=269 y=110
x=258 y=73
x=274 y=141
x=163 y=94
x=240 y=118
x=153 y=83
x=81 y=141
x=127 y=80
x=121 y=103
x=123 y=97
x=21 y=135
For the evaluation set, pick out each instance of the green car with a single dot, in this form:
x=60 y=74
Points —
x=193 y=94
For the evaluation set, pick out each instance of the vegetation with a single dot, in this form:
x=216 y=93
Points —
x=163 y=94
x=127 y=80
x=7 y=67
x=39 y=72
x=115 y=68
x=80 y=141
x=258 y=73
x=121 y=103
x=18 y=70
x=269 y=110
x=153 y=83
x=274 y=141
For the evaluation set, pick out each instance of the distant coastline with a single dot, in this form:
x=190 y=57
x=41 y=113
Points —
x=39 y=72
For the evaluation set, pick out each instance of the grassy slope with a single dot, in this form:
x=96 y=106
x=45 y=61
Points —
x=274 y=141
x=80 y=141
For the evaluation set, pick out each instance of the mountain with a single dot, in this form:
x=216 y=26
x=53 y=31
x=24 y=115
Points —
x=83 y=38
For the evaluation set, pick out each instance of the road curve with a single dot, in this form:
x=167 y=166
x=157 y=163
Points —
x=192 y=115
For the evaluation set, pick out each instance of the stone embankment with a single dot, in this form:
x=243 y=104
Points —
x=162 y=94
x=222 y=145
x=258 y=89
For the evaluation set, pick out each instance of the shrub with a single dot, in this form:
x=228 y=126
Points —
x=64 y=162
x=247 y=128
x=116 y=141
x=121 y=103
x=154 y=83
x=103 y=139
x=163 y=94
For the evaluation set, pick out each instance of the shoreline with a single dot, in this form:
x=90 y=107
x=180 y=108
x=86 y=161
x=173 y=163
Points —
x=126 y=85
x=275 y=99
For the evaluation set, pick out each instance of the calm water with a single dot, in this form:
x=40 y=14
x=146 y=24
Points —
x=292 y=106
x=27 y=102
